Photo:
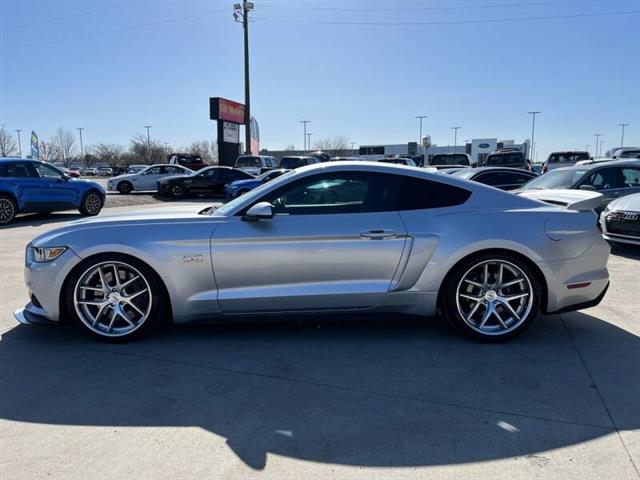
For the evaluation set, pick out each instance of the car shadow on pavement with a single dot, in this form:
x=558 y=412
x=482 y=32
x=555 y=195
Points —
x=368 y=393
x=36 y=219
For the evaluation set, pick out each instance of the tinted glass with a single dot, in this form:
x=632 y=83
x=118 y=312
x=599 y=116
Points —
x=46 y=171
x=20 y=170
x=631 y=177
x=557 y=179
x=153 y=171
x=504 y=159
x=449 y=160
x=605 y=179
x=248 y=162
x=291 y=162
x=568 y=157
x=420 y=194
x=630 y=154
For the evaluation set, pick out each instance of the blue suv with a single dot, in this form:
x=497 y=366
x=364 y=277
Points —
x=32 y=186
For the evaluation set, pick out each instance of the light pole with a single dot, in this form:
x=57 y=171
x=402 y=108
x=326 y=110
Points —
x=309 y=140
x=421 y=117
x=19 y=145
x=622 y=125
x=241 y=10
x=601 y=143
x=352 y=144
x=81 y=145
x=533 y=133
x=305 y=134
x=455 y=138
x=148 y=127
x=597 y=135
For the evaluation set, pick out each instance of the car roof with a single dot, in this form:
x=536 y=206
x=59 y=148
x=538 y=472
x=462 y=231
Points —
x=14 y=159
x=498 y=168
x=593 y=166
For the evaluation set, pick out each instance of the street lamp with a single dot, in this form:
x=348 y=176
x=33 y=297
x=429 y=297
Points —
x=80 y=129
x=421 y=117
x=622 y=136
x=597 y=135
x=304 y=139
x=533 y=133
x=148 y=144
x=19 y=145
x=455 y=138
x=309 y=140
x=241 y=11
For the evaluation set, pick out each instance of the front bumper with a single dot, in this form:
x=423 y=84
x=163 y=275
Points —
x=27 y=317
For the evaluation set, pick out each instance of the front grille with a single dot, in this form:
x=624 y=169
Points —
x=624 y=223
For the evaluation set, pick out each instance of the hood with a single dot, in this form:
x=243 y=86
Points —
x=171 y=178
x=628 y=203
x=245 y=182
x=163 y=214
x=582 y=200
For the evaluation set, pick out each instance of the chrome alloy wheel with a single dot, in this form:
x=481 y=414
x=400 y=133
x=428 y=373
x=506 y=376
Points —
x=93 y=203
x=7 y=210
x=494 y=297
x=112 y=299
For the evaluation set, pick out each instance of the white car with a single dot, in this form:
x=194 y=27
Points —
x=627 y=152
x=146 y=179
x=565 y=159
x=620 y=221
x=256 y=164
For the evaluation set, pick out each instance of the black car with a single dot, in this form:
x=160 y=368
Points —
x=509 y=158
x=450 y=160
x=502 y=178
x=208 y=181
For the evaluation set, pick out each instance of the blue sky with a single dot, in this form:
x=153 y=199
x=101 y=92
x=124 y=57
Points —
x=114 y=66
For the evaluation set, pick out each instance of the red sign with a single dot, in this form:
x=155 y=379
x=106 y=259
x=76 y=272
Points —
x=223 y=109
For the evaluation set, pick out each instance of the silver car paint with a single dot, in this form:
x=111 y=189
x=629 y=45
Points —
x=293 y=263
x=629 y=203
x=145 y=181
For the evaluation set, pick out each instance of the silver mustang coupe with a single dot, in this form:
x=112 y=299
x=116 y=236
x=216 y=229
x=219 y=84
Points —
x=332 y=237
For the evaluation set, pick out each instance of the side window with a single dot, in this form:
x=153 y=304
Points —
x=213 y=173
x=420 y=194
x=336 y=193
x=604 y=179
x=631 y=177
x=172 y=170
x=46 y=171
x=20 y=170
x=491 y=179
x=519 y=178
x=154 y=171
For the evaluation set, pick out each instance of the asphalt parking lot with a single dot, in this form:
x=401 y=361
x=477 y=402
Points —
x=372 y=398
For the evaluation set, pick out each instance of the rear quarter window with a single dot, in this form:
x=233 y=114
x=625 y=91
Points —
x=420 y=194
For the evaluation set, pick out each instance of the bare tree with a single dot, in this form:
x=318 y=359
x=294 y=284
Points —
x=206 y=149
x=147 y=153
x=8 y=146
x=65 y=141
x=48 y=151
x=336 y=146
x=111 y=154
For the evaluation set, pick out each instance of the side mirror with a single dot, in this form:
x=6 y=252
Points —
x=590 y=188
x=260 y=211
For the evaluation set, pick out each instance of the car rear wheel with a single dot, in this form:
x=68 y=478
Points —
x=177 y=191
x=8 y=209
x=115 y=297
x=125 y=188
x=91 y=204
x=492 y=297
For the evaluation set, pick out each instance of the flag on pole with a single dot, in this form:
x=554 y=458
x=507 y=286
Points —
x=35 y=146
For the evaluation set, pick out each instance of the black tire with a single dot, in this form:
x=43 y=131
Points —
x=177 y=191
x=125 y=188
x=454 y=306
x=8 y=209
x=91 y=204
x=159 y=312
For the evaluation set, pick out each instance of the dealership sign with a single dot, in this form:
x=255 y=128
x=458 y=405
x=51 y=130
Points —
x=484 y=145
x=230 y=132
x=227 y=110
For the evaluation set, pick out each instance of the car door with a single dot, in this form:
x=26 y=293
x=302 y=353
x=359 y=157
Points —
x=333 y=243
x=204 y=182
x=608 y=181
x=147 y=180
x=54 y=191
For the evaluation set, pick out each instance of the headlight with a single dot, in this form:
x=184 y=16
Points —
x=47 y=254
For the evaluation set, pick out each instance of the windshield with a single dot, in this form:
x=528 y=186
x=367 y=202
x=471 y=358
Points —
x=250 y=196
x=248 y=162
x=568 y=157
x=556 y=179
x=449 y=160
x=292 y=162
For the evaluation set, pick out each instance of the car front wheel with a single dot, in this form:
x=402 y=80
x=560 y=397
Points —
x=492 y=297
x=125 y=188
x=177 y=191
x=91 y=204
x=8 y=209
x=115 y=297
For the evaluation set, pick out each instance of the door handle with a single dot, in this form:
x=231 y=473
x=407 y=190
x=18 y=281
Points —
x=379 y=234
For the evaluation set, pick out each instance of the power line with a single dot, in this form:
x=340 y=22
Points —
x=121 y=29
x=453 y=22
